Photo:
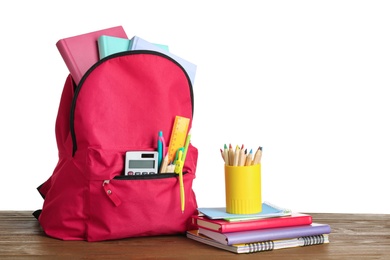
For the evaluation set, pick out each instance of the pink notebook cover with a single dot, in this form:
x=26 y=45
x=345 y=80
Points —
x=80 y=52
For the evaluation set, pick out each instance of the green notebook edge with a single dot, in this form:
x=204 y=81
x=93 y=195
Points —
x=108 y=45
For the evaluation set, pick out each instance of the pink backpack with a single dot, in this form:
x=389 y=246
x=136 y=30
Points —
x=120 y=105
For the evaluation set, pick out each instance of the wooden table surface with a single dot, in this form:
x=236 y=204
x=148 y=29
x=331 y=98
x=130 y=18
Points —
x=354 y=236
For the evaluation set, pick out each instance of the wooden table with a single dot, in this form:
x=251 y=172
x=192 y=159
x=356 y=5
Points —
x=354 y=236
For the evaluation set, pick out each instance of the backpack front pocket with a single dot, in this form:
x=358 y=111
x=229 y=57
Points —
x=130 y=206
x=138 y=207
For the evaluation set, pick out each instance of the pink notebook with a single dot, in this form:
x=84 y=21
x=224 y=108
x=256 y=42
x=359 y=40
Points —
x=81 y=52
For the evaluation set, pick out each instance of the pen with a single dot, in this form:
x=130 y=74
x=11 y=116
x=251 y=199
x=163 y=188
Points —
x=160 y=148
x=178 y=170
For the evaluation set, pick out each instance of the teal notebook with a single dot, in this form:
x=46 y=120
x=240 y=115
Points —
x=268 y=211
x=108 y=45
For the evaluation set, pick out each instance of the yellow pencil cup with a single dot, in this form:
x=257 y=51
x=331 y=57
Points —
x=243 y=189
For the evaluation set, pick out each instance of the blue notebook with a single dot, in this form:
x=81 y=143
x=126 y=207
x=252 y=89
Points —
x=108 y=45
x=138 y=43
x=268 y=211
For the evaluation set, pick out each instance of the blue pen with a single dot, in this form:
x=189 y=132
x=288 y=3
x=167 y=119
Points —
x=160 y=148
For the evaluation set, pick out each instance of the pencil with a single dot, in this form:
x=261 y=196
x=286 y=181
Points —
x=231 y=155
x=241 y=162
x=236 y=156
x=248 y=160
x=257 y=157
x=226 y=155
x=164 y=164
x=170 y=168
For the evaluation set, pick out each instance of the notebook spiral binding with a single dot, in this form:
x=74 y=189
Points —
x=312 y=240
x=260 y=246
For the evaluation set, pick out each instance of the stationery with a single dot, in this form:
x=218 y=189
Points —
x=81 y=52
x=268 y=211
x=179 y=161
x=226 y=154
x=236 y=156
x=164 y=165
x=186 y=145
x=243 y=189
x=138 y=43
x=248 y=160
x=160 y=148
x=257 y=156
x=224 y=226
x=176 y=143
x=260 y=246
x=240 y=157
x=266 y=234
x=231 y=154
x=109 y=45
x=178 y=135
x=179 y=164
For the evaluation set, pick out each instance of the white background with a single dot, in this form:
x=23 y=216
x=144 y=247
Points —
x=307 y=80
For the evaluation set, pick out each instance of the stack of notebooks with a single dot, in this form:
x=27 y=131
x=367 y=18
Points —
x=273 y=228
x=82 y=51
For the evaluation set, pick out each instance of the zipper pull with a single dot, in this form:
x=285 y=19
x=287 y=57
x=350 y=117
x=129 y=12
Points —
x=109 y=192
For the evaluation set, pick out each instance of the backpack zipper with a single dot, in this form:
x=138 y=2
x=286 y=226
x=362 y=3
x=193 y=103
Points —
x=147 y=177
x=108 y=189
x=119 y=54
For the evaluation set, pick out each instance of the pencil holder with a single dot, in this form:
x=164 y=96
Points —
x=243 y=189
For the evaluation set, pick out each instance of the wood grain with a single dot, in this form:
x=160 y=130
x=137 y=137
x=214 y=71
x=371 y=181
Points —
x=354 y=236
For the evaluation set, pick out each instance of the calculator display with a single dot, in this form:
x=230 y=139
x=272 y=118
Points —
x=137 y=164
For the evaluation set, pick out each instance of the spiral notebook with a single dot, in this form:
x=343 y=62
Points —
x=267 y=234
x=260 y=246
